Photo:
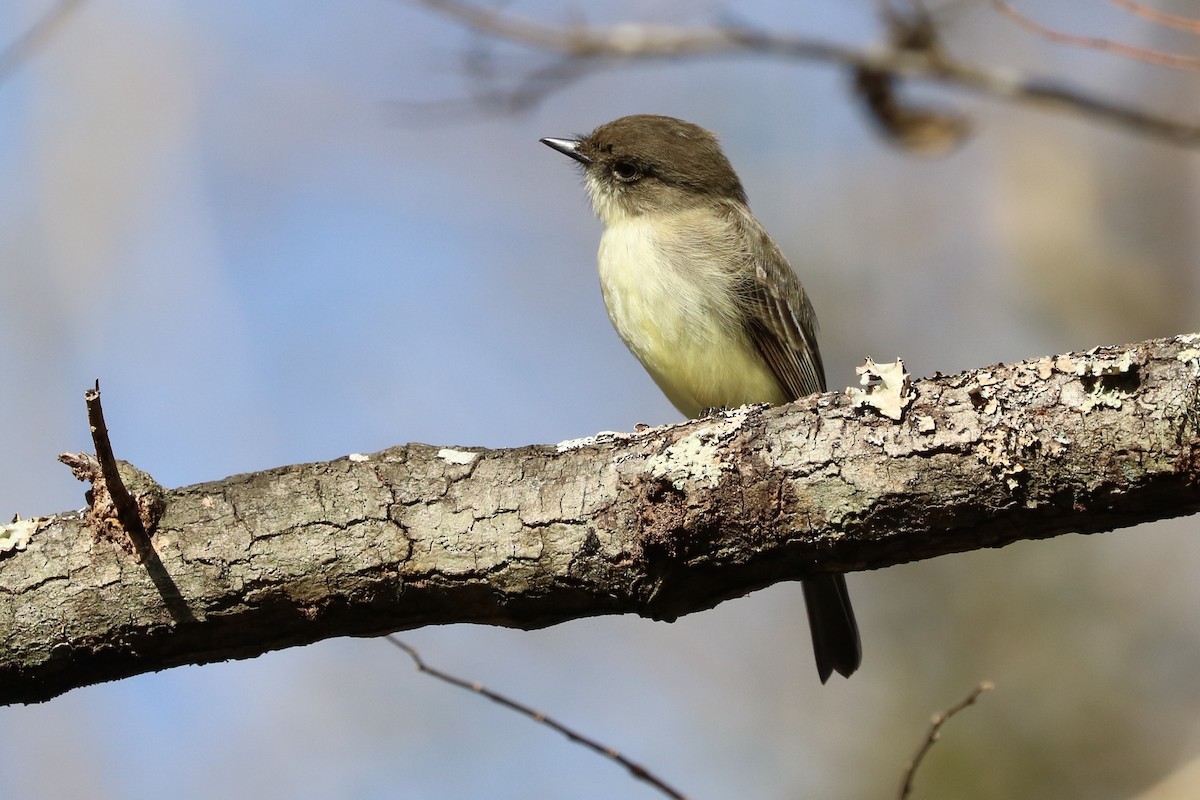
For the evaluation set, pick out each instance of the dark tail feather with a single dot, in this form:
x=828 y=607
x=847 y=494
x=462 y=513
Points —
x=834 y=631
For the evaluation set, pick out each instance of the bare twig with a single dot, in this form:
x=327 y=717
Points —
x=1162 y=18
x=126 y=506
x=935 y=729
x=595 y=47
x=637 y=770
x=1170 y=20
x=20 y=51
x=1093 y=43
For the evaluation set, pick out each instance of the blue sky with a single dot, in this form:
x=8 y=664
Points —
x=244 y=220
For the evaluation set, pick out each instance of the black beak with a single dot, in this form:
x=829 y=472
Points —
x=568 y=147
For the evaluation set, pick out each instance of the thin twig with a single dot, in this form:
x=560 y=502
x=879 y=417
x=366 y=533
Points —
x=637 y=770
x=597 y=47
x=1162 y=18
x=135 y=500
x=935 y=730
x=1094 y=43
x=126 y=506
x=21 y=50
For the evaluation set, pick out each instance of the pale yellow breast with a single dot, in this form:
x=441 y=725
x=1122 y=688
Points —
x=670 y=299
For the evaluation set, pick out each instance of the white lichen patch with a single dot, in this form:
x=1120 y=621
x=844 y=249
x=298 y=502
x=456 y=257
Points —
x=604 y=437
x=1000 y=450
x=1064 y=364
x=1105 y=366
x=737 y=416
x=16 y=535
x=358 y=457
x=926 y=424
x=1099 y=394
x=693 y=459
x=587 y=441
x=1074 y=396
x=574 y=444
x=459 y=457
x=889 y=388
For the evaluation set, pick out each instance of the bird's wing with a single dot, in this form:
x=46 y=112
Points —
x=780 y=320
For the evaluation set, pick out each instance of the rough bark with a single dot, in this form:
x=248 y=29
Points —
x=661 y=522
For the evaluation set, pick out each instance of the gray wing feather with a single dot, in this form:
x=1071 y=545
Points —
x=780 y=320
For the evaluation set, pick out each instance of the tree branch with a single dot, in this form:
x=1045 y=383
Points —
x=594 y=47
x=661 y=523
x=16 y=54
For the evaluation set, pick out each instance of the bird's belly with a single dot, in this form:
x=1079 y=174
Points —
x=671 y=318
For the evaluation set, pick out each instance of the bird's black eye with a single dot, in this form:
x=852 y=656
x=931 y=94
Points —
x=626 y=171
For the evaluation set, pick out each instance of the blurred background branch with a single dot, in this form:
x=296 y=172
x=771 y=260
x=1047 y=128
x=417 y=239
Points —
x=903 y=56
x=252 y=220
x=16 y=53
x=1144 y=54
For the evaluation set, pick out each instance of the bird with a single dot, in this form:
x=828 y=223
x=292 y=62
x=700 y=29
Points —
x=703 y=297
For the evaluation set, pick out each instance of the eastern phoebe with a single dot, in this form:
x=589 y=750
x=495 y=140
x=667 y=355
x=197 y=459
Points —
x=704 y=298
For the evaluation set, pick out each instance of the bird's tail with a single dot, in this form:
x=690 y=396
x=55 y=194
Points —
x=831 y=620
